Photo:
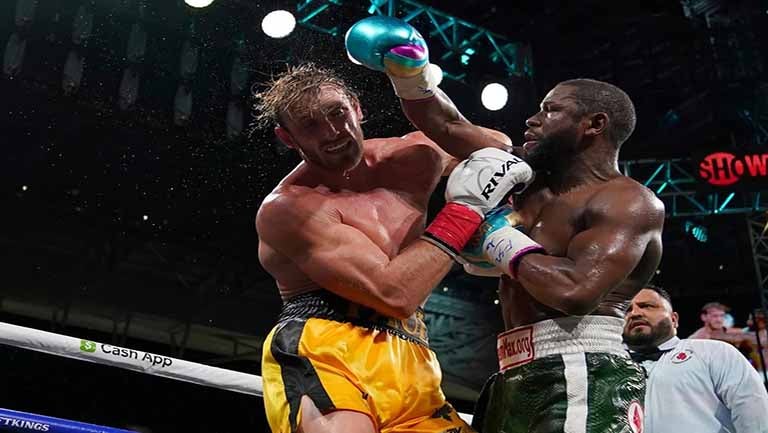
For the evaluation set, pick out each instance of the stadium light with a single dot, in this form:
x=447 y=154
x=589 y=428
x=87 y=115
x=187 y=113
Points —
x=494 y=96
x=278 y=24
x=198 y=3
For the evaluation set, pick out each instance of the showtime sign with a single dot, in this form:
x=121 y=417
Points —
x=721 y=169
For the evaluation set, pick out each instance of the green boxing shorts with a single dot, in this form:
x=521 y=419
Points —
x=567 y=375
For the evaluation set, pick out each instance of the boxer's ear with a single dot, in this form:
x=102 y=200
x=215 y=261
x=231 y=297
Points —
x=597 y=123
x=356 y=106
x=675 y=320
x=285 y=136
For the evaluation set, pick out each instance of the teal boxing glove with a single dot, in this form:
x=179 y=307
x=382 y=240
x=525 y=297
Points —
x=498 y=244
x=393 y=46
x=502 y=216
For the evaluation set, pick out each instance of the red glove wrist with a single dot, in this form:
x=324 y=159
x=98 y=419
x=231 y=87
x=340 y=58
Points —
x=452 y=228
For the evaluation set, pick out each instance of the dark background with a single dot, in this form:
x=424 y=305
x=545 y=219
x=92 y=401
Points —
x=79 y=172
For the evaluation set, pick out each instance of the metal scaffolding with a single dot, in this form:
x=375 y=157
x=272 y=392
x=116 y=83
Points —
x=682 y=194
x=461 y=40
x=758 y=237
x=673 y=183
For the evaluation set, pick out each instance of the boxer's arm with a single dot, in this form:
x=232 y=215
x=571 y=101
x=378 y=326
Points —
x=449 y=161
x=343 y=260
x=598 y=258
x=442 y=122
x=393 y=46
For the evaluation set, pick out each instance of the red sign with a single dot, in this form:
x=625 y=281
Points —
x=725 y=169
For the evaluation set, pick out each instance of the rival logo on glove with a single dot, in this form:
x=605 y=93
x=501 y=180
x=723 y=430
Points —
x=490 y=187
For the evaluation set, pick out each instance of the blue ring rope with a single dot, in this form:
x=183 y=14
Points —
x=12 y=420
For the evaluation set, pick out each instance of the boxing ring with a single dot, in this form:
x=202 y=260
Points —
x=28 y=422
x=115 y=356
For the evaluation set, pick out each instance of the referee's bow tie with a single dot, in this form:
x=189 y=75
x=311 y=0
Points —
x=652 y=355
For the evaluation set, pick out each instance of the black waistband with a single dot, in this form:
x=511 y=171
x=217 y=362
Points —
x=322 y=304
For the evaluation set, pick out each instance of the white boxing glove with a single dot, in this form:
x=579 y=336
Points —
x=481 y=181
x=474 y=188
x=505 y=246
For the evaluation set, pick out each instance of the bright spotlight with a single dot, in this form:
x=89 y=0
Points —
x=437 y=72
x=198 y=3
x=278 y=24
x=494 y=97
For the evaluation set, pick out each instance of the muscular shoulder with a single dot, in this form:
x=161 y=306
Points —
x=623 y=197
x=289 y=207
x=411 y=150
x=413 y=143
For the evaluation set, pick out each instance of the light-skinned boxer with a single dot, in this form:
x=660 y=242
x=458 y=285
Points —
x=344 y=237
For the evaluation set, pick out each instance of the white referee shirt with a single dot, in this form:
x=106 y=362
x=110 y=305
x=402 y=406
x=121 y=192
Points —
x=703 y=386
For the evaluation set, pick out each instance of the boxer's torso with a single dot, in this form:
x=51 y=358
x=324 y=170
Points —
x=386 y=200
x=552 y=221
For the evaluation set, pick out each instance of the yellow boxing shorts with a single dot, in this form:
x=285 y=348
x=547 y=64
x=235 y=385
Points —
x=347 y=357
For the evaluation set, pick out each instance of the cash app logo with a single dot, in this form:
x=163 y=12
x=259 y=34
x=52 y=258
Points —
x=87 y=346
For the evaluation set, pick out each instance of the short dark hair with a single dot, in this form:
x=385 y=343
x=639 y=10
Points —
x=598 y=96
x=660 y=291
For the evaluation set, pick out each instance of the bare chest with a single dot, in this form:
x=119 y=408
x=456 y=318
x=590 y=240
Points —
x=556 y=222
x=388 y=218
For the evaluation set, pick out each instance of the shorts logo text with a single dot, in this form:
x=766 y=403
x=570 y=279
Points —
x=635 y=417
x=515 y=347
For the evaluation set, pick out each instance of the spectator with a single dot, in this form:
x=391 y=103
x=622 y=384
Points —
x=693 y=385
x=756 y=328
x=713 y=317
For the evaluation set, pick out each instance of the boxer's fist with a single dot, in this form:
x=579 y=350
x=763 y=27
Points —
x=481 y=181
x=388 y=45
x=474 y=252
x=393 y=46
x=474 y=188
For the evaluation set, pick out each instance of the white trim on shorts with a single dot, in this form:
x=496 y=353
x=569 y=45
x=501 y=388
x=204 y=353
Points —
x=561 y=336
x=577 y=389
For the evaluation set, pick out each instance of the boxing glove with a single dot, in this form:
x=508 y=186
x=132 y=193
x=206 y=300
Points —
x=393 y=46
x=473 y=253
x=498 y=244
x=474 y=188
x=485 y=177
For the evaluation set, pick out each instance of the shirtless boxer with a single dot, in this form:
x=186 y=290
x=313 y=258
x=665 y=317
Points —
x=343 y=235
x=594 y=240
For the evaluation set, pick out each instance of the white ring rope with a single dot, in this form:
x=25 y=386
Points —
x=132 y=359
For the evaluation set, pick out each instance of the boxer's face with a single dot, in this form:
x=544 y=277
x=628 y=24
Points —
x=649 y=320
x=714 y=318
x=555 y=131
x=325 y=128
